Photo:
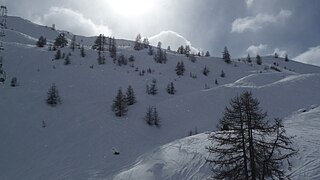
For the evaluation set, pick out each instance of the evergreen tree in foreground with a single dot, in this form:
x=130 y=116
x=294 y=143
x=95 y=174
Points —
x=119 y=106
x=247 y=146
x=53 y=98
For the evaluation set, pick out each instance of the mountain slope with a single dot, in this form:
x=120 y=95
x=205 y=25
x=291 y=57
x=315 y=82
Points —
x=185 y=158
x=81 y=132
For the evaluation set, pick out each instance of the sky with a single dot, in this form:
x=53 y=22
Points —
x=245 y=26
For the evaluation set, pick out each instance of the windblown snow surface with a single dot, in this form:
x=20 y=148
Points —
x=80 y=134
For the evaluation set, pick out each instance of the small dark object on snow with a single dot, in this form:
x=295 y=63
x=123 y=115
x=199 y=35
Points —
x=115 y=151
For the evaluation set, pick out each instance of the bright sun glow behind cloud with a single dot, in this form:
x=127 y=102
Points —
x=131 y=8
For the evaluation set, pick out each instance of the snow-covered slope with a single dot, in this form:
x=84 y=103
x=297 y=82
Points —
x=81 y=132
x=185 y=158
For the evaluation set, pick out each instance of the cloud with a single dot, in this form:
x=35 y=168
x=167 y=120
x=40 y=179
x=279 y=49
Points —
x=172 y=39
x=281 y=53
x=312 y=56
x=254 y=50
x=75 y=22
x=257 y=22
x=249 y=2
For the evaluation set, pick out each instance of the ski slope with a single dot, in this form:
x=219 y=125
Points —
x=81 y=132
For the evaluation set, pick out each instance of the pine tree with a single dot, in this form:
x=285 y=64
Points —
x=205 y=71
x=53 y=98
x=73 y=43
x=113 y=48
x=149 y=117
x=226 y=56
x=153 y=88
x=171 y=89
x=180 y=68
x=156 y=117
x=258 y=60
x=99 y=43
x=42 y=41
x=168 y=48
x=119 y=106
x=207 y=54
x=216 y=81
x=145 y=42
x=44 y=124
x=181 y=50
x=82 y=52
x=248 y=59
x=150 y=50
x=13 y=82
x=58 y=54
x=187 y=50
x=161 y=55
x=130 y=96
x=67 y=60
x=276 y=55
x=61 y=41
x=137 y=44
x=247 y=147
x=286 y=58
x=222 y=74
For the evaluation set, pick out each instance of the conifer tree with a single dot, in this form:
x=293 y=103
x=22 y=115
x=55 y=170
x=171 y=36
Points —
x=152 y=116
x=73 y=43
x=145 y=42
x=113 y=48
x=161 y=55
x=205 y=71
x=130 y=96
x=138 y=44
x=226 y=56
x=82 y=52
x=150 y=50
x=171 y=89
x=119 y=106
x=148 y=117
x=258 y=60
x=181 y=50
x=61 y=41
x=286 y=58
x=187 y=50
x=248 y=59
x=153 y=87
x=58 y=54
x=180 y=68
x=247 y=146
x=207 y=54
x=192 y=58
x=53 y=97
x=222 y=74
x=67 y=60
x=156 y=117
x=42 y=41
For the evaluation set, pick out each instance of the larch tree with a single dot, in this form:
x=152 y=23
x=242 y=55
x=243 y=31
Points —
x=246 y=145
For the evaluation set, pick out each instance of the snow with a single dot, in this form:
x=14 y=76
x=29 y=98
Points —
x=185 y=158
x=81 y=132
